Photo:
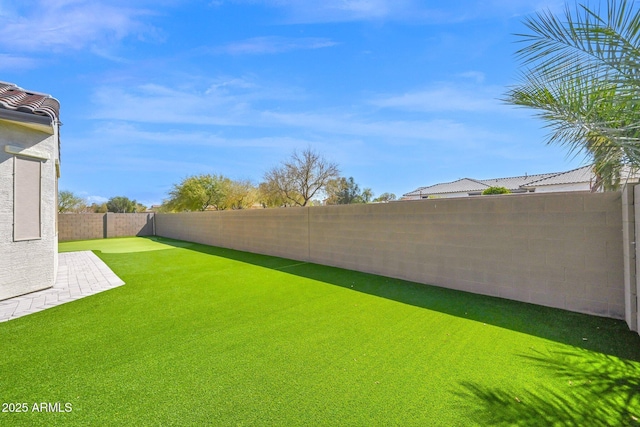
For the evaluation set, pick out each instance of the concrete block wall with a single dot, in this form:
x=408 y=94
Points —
x=80 y=226
x=129 y=224
x=278 y=232
x=630 y=222
x=98 y=226
x=198 y=227
x=633 y=292
x=561 y=250
x=283 y=233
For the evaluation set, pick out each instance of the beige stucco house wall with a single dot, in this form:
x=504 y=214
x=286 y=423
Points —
x=29 y=170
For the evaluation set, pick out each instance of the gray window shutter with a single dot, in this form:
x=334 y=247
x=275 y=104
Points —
x=27 y=199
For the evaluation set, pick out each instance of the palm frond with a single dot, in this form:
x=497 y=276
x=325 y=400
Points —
x=584 y=37
x=582 y=75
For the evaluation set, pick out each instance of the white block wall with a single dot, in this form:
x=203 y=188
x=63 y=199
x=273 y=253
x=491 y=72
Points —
x=30 y=265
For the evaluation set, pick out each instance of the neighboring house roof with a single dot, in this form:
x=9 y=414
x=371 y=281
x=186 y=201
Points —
x=583 y=174
x=516 y=182
x=463 y=185
x=513 y=184
x=15 y=98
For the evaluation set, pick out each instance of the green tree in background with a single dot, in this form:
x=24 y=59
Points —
x=385 y=197
x=199 y=193
x=240 y=194
x=121 y=204
x=270 y=196
x=582 y=75
x=69 y=202
x=345 y=191
x=98 y=208
x=367 y=195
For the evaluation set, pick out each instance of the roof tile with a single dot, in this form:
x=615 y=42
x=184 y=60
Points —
x=15 y=98
x=468 y=185
x=582 y=174
x=460 y=186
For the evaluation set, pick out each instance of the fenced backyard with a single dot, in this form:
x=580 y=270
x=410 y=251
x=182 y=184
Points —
x=203 y=335
x=574 y=251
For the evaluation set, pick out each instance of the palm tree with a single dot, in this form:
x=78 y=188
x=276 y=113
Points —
x=582 y=73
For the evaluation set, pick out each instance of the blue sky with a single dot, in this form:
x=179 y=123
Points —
x=399 y=93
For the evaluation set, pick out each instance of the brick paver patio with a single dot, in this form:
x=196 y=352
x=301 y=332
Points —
x=80 y=274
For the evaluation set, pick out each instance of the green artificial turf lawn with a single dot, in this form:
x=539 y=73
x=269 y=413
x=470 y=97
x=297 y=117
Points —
x=209 y=336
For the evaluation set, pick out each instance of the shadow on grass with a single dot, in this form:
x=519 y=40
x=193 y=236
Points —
x=594 y=390
x=604 y=335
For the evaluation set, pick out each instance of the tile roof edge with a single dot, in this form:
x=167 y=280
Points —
x=547 y=174
x=15 y=86
x=541 y=177
x=478 y=181
x=551 y=175
x=529 y=184
x=418 y=190
x=47 y=106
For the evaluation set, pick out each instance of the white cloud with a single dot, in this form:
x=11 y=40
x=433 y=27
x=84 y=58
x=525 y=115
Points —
x=397 y=131
x=16 y=62
x=107 y=52
x=226 y=101
x=151 y=103
x=273 y=44
x=92 y=198
x=519 y=7
x=305 y=11
x=224 y=105
x=362 y=8
x=446 y=97
x=41 y=25
x=225 y=83
x=477 y=76
x=124 y=134
x=97 y=199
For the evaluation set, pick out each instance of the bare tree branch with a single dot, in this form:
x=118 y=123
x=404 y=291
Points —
x=301 y=177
